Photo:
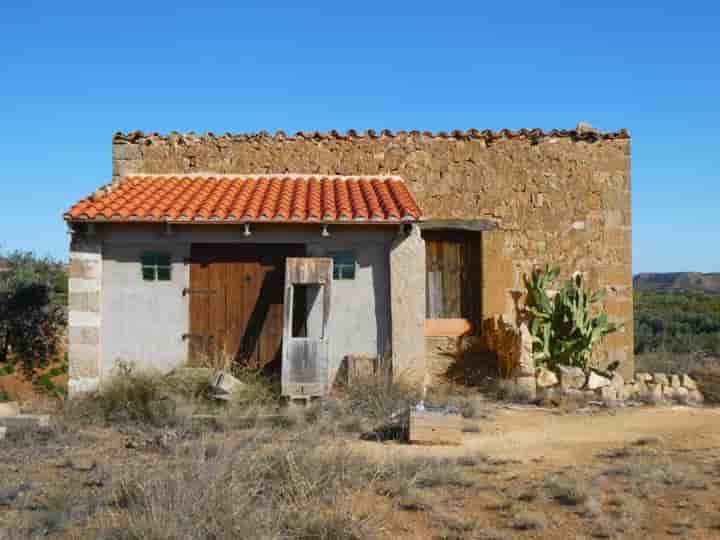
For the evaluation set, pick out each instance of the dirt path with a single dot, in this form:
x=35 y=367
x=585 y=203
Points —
x=531 y=435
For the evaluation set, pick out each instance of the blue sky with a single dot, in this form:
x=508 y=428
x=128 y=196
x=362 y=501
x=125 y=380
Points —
x=72 y=73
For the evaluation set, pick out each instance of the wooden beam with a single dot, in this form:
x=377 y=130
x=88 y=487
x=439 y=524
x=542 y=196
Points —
x=459 y=225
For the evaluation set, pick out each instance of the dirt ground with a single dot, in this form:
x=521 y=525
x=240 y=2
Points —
x=528 y=473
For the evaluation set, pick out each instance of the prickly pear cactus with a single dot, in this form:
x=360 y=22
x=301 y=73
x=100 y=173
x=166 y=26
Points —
x=563 y=327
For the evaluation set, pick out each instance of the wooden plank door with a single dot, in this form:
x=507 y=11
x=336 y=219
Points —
x=236 y=303
x=306 y=344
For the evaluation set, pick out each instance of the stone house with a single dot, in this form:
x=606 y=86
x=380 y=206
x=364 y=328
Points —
x=207 y=245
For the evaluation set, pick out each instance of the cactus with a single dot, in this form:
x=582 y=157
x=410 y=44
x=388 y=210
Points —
x=563 y=326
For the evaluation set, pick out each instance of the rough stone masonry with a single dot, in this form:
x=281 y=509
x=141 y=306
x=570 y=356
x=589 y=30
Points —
x=560 y=197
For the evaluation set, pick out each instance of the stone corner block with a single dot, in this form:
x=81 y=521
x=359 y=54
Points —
x=82 y=386
x=9 y=408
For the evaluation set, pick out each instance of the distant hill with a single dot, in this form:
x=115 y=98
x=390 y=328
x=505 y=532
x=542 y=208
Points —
x=678 y=281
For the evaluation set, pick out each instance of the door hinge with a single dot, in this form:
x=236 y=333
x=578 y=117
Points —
x=187 y=336
x=188 y=290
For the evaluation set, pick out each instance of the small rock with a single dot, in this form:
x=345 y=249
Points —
x=688 y=382
x=545 y=378
x=675 y=381
x=550 y=394
x=632 y=390
x=668 y=391
x=526 y=388
x=694 y=396
x=596 y=381
x=681 y=395
x=223 y=384
x=643 y=377
x=9 y=408
x=609 y=395
x=571 y=377
x=655 y=392
x=660 y=378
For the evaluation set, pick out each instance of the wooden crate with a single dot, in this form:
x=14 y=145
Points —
x=428 y=427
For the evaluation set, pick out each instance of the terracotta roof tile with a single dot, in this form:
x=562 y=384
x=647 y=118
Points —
x=250 y=198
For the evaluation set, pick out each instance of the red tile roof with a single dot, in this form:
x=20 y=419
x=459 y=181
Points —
x=251 y=198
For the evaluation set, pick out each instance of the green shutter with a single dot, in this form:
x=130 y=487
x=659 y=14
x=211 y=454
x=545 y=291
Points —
x=155 y=266
x=343 y=265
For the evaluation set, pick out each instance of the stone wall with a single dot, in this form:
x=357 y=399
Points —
x=85 y=283
x=560 y=198
x=407 y=305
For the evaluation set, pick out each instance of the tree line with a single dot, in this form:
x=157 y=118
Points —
x=677 y=322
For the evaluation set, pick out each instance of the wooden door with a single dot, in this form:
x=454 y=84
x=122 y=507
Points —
x=236 y=303
x=308 y=282
x=453 y=275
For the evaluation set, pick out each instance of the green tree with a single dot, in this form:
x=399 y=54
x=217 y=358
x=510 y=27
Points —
x=33 y=291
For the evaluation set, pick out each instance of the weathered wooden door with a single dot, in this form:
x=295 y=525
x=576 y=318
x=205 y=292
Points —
x=306 y=342
x=453 y=275
x=236 y=303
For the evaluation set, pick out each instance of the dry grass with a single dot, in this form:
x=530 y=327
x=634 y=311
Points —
x=262 y=489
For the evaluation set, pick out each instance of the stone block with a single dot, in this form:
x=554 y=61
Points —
x=25 y=421
x=84 y=301
x=85 y=268
x=675 y=381
x=660 y=378
x=571 y=377
x=681 y=394
x=632 y=390
x=694 y=396
x=84 y=360
x=617 y=381
x=655 y=393
x=550 y=393
x=3 y=432
x=688 y=382
x=84 y=335
x=596 y=381
x=668 y=391
x=643 y=377
x=545 y=378
x=9 y=408
x=82 y=386
x=83 y=318
x=609 y=395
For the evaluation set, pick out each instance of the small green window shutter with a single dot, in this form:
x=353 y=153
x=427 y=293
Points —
x=163 y=267
x=155 y=266
x=343 y=265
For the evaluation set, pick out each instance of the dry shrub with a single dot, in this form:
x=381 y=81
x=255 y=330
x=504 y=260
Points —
x=526 y=520
x=288 y=489
x=378 y=398
x=708 y=380
x=568 y=491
